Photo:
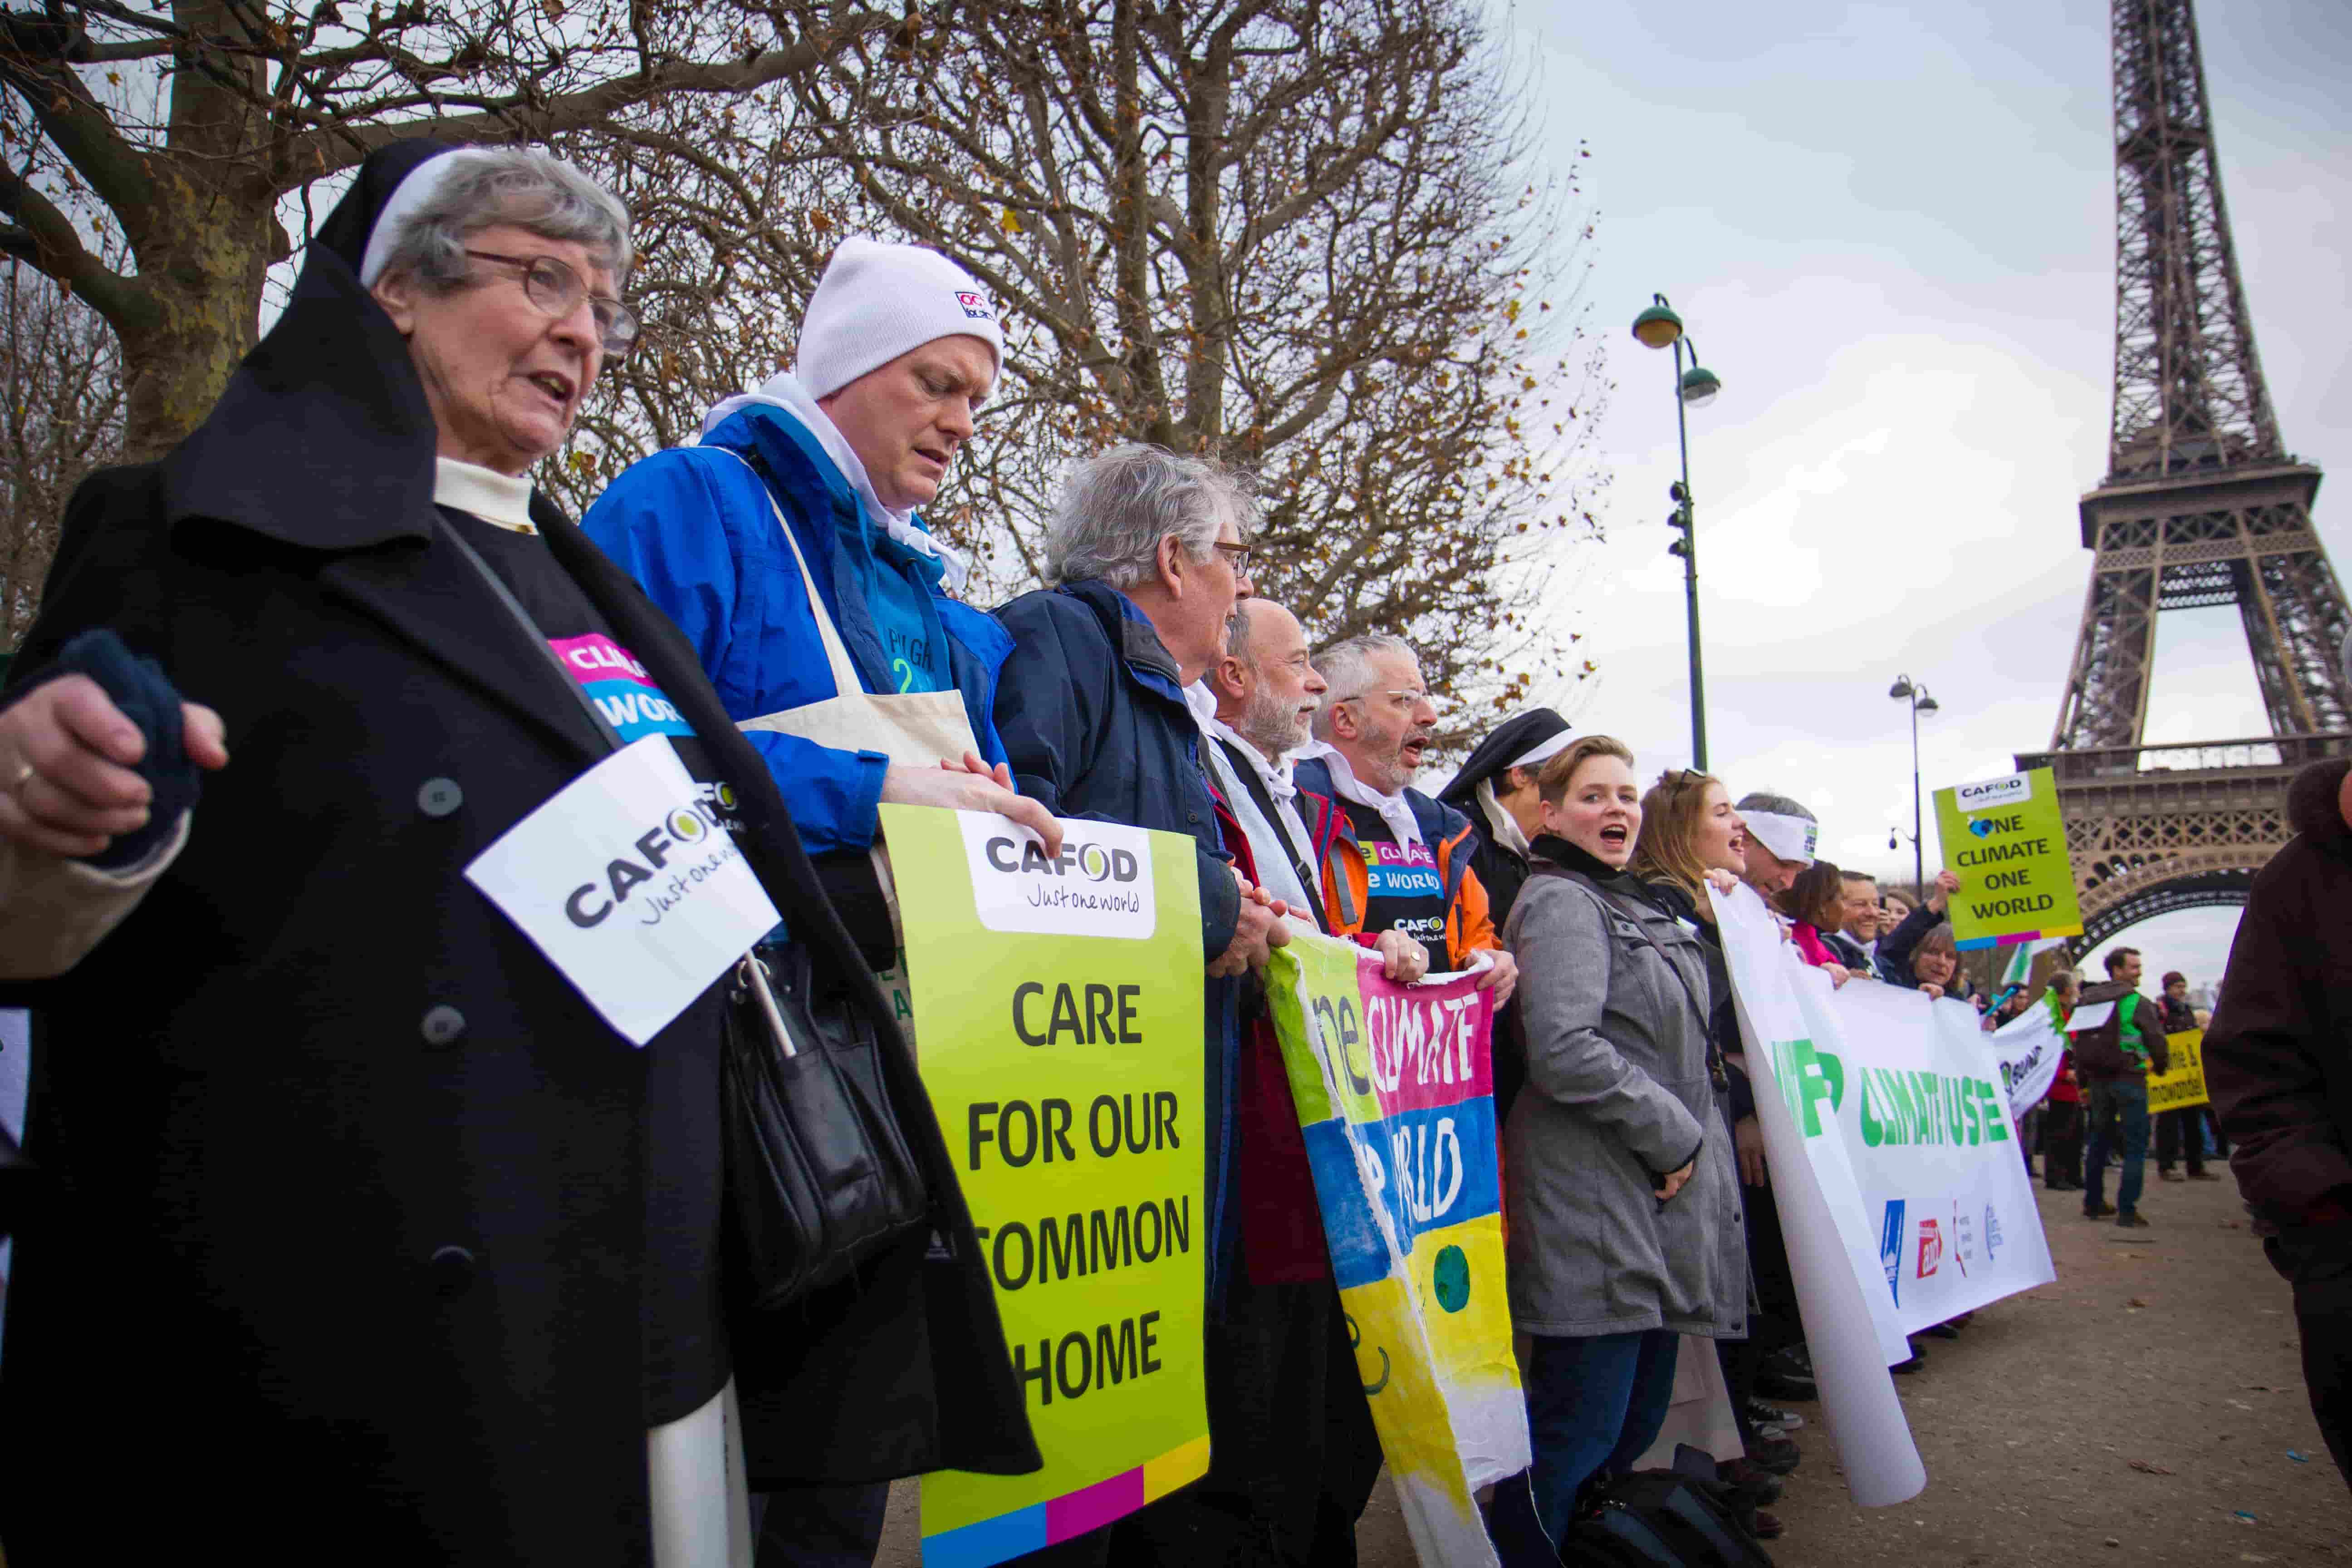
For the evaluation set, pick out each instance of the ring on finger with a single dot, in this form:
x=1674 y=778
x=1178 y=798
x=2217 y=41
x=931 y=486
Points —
x=25 y=772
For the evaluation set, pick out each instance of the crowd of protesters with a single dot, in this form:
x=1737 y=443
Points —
x=351 y=1189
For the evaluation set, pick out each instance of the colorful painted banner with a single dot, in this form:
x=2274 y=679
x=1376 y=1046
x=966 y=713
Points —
x=2182 y=1085
x=2006 y=842
x=1394 y=1087
x=1060 y=1002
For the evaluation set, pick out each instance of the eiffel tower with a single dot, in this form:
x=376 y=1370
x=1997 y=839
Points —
x=2201 y=505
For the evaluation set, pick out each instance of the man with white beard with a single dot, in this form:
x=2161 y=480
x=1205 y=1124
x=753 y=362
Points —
x=1398 y=859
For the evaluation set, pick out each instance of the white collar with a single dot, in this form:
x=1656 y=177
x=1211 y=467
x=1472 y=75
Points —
x=500 y=500
x=783 y=390
x=1396 y=810
x=1499 y=820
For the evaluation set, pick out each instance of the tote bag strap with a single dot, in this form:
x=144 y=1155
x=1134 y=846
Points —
x=513 y=607
x=845 y=679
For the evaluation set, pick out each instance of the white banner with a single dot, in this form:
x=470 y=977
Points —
x=2028 y=1049
x=1849 y=1315
x=1917 y=1092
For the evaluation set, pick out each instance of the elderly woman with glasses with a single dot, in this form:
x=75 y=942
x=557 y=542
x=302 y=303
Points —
x=362 y=1216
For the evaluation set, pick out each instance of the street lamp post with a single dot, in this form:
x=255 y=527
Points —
x=1658 y=327
x=1906 y=689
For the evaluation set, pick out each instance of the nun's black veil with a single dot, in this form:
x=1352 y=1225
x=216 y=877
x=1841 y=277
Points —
x=324 y=437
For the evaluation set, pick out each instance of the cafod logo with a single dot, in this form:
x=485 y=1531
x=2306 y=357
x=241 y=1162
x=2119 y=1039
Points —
x=1988 y=795
x=1092 y=862
x=1097 y=884
x=646 y=857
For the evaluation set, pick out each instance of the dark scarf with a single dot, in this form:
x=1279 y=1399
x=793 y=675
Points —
x=1568 y=857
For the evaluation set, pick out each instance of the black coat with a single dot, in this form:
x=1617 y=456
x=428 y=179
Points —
x=350 y=1227
x=2278 y=1054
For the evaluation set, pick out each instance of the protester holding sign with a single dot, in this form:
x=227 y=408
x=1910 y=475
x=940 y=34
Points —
x=1895 y=949
x=786 y=546
x=1693 y=840
x=381 y=1224
x=1148 y=551
x=1624 y=1222
x=1395 y=860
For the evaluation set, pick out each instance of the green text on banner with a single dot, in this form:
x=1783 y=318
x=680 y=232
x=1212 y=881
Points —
x=1060 y=1006
x=2006 y=842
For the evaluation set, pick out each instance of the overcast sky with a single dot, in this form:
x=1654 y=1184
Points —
x=1890 y=229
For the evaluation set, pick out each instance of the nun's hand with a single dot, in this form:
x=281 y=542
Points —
x=72 y=783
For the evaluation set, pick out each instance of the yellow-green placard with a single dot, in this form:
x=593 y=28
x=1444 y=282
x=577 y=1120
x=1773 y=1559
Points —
x=1060 y=1007
x=2006 y=842
x=2183 y=1084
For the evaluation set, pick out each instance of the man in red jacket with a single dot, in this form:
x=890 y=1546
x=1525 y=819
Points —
x=2278 y=1063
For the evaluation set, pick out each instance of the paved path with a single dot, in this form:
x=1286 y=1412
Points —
x=2173 y=1346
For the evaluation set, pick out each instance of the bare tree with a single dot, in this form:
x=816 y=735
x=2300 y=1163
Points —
x=1301 y=237
x=180 y=128
x=1295 y=234
x=60 y=415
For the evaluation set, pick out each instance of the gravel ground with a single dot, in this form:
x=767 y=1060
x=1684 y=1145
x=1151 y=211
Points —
x=2171 y=1348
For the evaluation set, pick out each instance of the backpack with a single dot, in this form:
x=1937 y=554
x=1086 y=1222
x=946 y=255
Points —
x=2099 y=1051
x=1663 y=1519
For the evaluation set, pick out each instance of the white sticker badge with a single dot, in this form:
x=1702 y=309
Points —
x=1100 y=885
x=631 y=886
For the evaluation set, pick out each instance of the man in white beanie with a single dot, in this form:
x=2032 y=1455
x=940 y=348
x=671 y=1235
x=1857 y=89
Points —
x=785 y=545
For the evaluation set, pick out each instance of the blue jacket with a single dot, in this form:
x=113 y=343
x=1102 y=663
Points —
x=1094 y=726
x=692 y=524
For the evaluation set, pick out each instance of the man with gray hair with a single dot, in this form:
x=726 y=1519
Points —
x=1396 y=859
x=1149 y=554
x=1781 y=836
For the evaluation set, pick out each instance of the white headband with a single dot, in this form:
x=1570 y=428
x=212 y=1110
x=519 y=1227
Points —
x=408 y=198
x=1545 y=751
x=1788 y=837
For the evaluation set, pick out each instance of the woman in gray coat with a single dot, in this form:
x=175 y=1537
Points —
x=1624 y=1211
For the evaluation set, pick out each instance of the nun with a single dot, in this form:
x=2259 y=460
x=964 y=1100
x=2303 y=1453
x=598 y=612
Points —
x=369 y=1233
x=1497 y=791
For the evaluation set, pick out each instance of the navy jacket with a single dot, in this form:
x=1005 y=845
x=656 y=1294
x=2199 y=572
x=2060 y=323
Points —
x=1094 y=724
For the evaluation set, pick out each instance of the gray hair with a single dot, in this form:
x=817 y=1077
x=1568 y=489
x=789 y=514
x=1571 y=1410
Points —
x=533 y=190
x=1119 y=505
x=1347 y=666
x=1778 y=804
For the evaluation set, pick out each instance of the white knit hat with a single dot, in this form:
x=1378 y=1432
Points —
x=877 y=301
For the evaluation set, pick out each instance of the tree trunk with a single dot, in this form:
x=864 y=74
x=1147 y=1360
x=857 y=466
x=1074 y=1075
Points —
x=205 y=250
x=202 y=291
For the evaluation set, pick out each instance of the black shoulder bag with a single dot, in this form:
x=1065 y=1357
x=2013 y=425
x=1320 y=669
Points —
x=819 y=1175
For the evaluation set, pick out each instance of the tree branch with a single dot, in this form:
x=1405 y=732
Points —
x=522 y=115
x=45 y=236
